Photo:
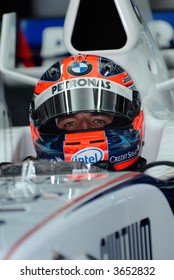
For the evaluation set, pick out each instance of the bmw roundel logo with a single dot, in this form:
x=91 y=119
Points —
x=79 y=68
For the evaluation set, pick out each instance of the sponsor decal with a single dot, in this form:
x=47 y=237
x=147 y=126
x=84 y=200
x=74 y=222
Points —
x=79 y=68
x=80 y=83
x=126 y=156
x=133 y=242
x=89 y=156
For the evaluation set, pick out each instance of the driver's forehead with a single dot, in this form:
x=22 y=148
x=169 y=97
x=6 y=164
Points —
x=85 y=115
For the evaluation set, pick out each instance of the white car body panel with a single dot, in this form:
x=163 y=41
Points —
x=87 y=216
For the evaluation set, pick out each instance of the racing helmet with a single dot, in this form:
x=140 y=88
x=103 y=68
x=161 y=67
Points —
x=87 y=83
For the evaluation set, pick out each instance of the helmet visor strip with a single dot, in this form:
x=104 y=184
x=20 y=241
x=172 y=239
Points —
x=85 y=100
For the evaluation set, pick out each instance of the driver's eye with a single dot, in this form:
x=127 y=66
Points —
x=69 y=124
x=100 y=121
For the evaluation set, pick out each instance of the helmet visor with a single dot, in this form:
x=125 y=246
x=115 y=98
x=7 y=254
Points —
x=107 y=97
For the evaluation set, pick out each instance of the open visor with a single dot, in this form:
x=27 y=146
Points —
x=87 y=100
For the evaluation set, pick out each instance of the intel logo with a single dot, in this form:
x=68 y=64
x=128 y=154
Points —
x=89 y=156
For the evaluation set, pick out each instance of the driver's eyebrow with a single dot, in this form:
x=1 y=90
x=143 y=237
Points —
x=94 y=114
x=64 y=117
x=101 y=114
